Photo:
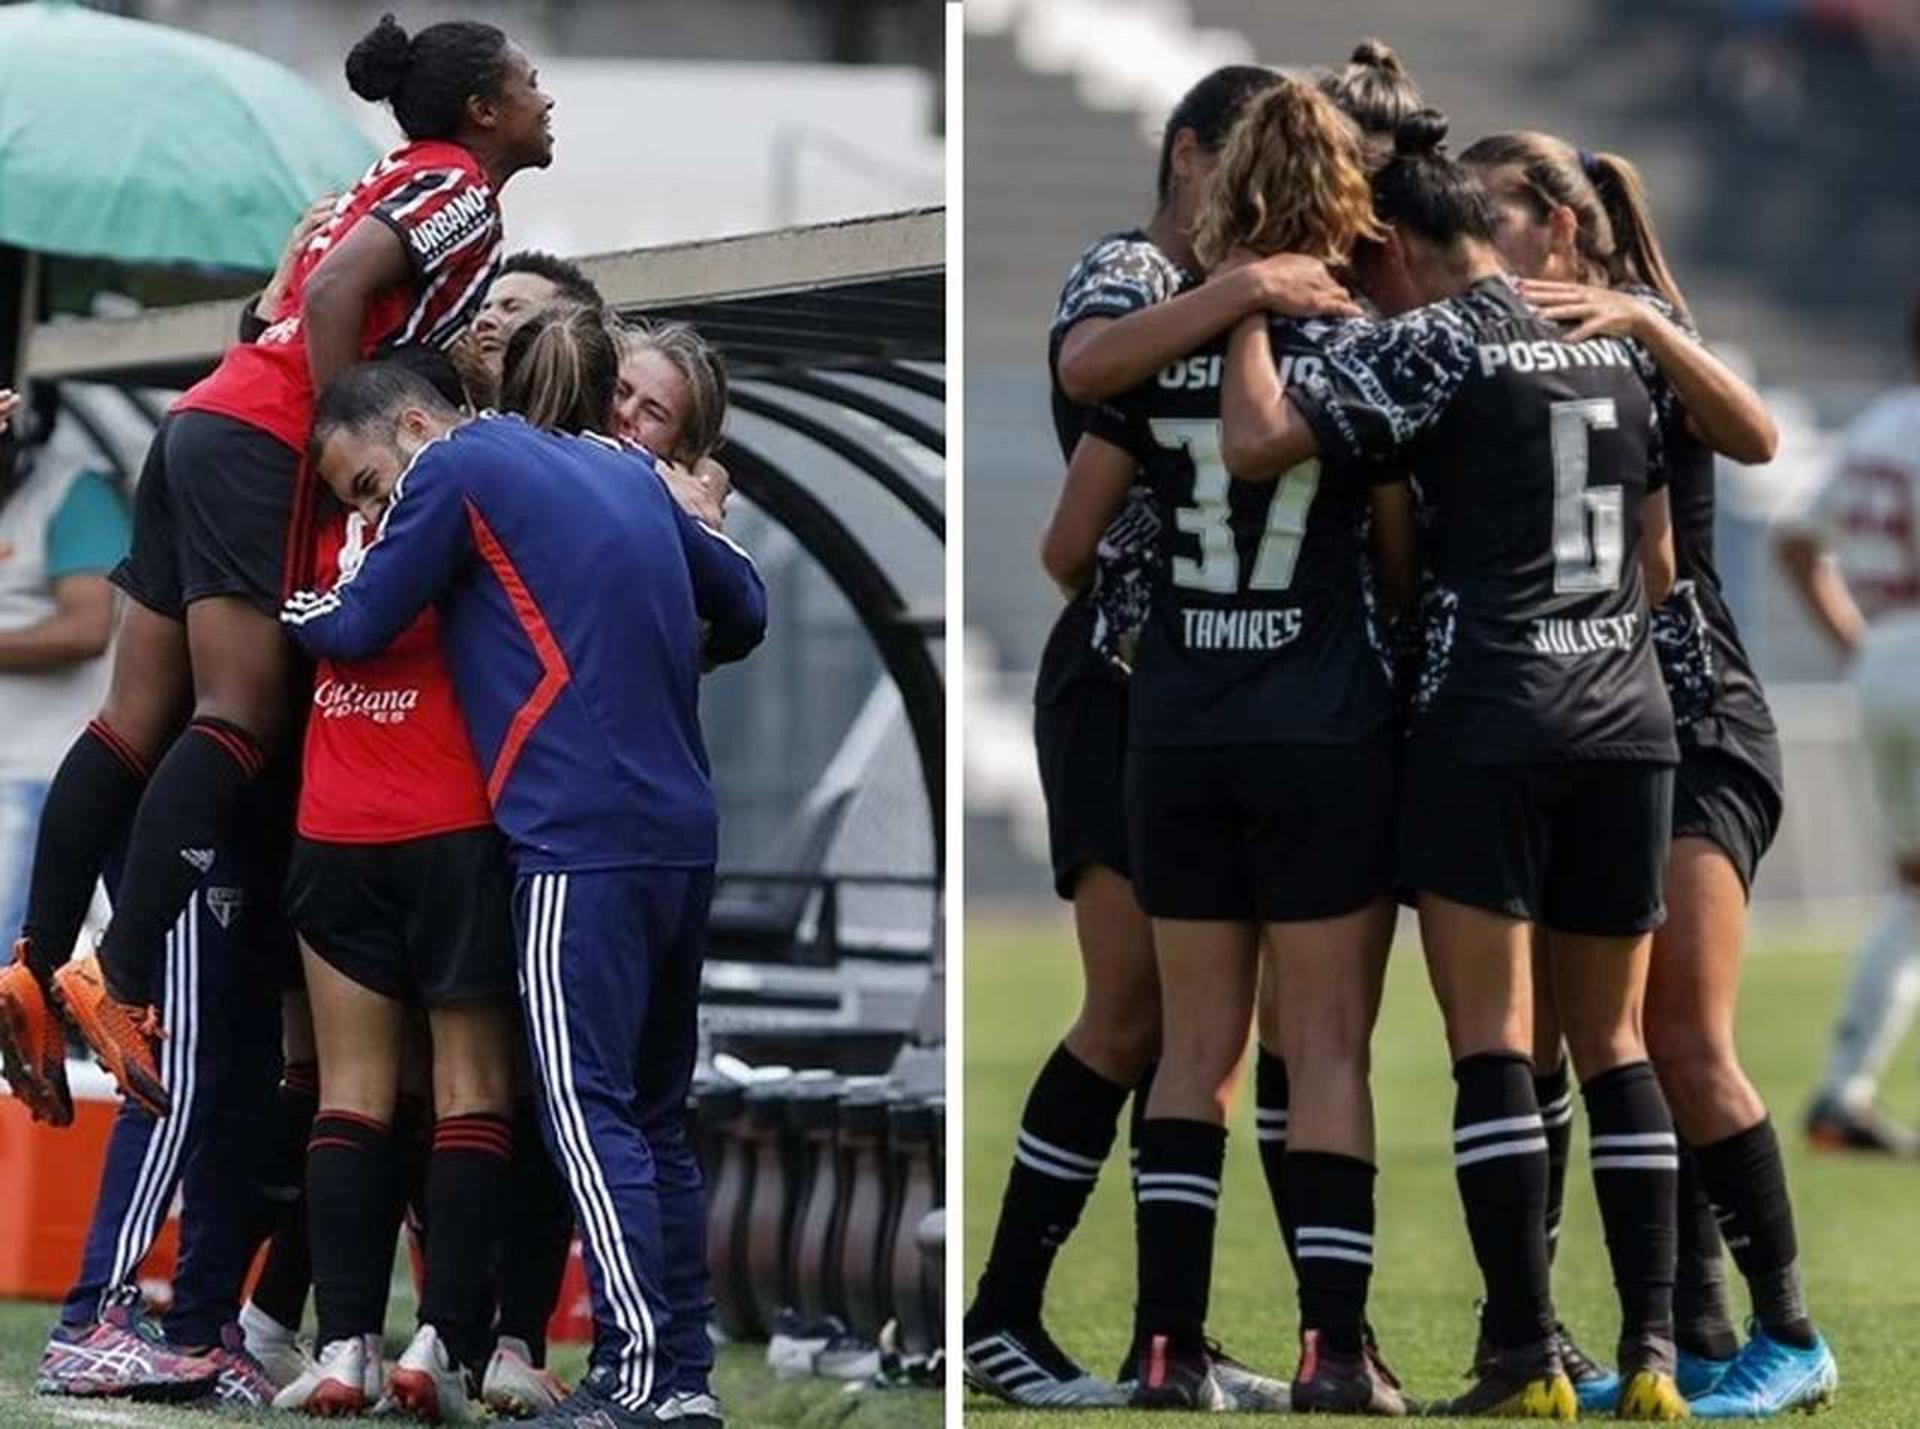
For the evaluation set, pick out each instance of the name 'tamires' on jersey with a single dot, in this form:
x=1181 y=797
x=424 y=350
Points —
x=1257 y=630
x=1534 y=455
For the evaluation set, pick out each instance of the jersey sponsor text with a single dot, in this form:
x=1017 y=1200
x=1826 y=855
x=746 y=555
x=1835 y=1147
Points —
x=1545 y=355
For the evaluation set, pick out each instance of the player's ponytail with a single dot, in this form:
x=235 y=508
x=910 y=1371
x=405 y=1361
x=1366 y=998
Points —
x=1613 y=222
x=1425 y=189
x=1209 y=110
x=562 y=369
x=1291 y=179
x=429 y=77
x=1637 y=257
x=1375 y=91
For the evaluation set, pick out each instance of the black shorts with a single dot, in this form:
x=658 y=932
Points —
x=427 y=920
x=1081 y=740
x=1270 y=833
x=1728 y=801
x=1579 y=848
x=210 y=516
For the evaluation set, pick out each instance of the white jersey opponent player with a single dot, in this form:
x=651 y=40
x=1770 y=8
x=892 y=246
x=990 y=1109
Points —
x=1854 y=557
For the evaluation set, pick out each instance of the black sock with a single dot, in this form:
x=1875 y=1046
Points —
x=1500 y=1164
x=1180 y=1163
x=1136 y=1119
x=287 y=1273
x=534 y=1259
x=191 y=806
x=88 y=807
x=466 y=1205
x=1555 y=1096
x=1702 y=1324
x=1747 y=1183
x=1636 y=1168
x=1065 y=1134
x=413 y=1156
x=350 y=1176
x=1330 y=1207
x=1270 y=1130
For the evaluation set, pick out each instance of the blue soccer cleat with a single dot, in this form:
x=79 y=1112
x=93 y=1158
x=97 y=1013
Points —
x=1698 y=1375
x=1596 y=1387
x=1769 y=1377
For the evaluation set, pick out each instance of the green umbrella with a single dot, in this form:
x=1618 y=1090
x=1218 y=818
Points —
x=137 y=142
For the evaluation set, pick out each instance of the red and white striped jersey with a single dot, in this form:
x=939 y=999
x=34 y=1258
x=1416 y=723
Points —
x=435 y=196
x=1869 y=509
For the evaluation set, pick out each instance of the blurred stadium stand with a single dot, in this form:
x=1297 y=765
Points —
x=1791 y=223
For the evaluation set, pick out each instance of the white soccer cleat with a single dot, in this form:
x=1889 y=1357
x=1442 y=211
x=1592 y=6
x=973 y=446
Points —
x=343 y=1382
x=1029 y=1369
x=427 y=1385
x=272 y=1344
x=695 y=1411
x=516 y=1388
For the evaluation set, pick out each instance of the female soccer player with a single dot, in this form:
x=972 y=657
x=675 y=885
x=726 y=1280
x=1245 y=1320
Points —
x=215 y=512
x=1581 y=225
x=1259 y=793
x=400 y=890
x=1538 y=778
x=1122 y=316
x=672 y=401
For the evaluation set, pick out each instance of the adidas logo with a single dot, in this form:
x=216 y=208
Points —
x=200 y=858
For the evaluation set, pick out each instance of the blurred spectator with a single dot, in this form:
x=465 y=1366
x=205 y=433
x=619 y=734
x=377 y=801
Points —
x=62 y=529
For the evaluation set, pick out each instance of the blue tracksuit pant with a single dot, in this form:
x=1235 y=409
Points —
x=610 y=987
x=220 y=1061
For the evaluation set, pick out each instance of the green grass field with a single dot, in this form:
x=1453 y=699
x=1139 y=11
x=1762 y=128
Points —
x=1859 y=1220
x=752 y=1397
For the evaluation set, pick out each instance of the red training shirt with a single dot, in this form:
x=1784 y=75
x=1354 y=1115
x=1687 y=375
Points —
x=436 y=198
x=387 y=756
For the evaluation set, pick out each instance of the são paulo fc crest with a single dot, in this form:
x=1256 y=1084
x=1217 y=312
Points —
x=225 y=904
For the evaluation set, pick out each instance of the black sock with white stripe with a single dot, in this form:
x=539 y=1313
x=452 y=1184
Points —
x=1136 y=1119
x=1555 y=1094
x=1065 y=1134
x=1747 y=1183
x=1180 y=1163
x=1270 y=1129
x=1330 y=1207
x=1636 y=1169
x=1500 y=1163
x=1702 y=1323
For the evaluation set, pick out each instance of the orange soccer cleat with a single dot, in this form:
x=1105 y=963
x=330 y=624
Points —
x=121 y=1034
x=33 y=1044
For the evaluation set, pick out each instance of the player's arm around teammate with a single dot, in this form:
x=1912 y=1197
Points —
x=1579 y=228
x=1539 y=708
x=1259 y=796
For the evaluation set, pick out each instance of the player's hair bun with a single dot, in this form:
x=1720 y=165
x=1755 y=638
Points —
x=379 y=62
x=1377 y=54
x=1421 y=135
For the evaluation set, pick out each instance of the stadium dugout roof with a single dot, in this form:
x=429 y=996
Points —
x=835 y=338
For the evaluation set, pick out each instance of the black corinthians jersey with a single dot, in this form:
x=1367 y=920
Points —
x=1095 y=635
x=1717 y=699
x=1534 y=455
x=1257 y=631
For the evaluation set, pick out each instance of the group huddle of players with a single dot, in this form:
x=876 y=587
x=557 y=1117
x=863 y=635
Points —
x=1411 y=606
x=445 y=535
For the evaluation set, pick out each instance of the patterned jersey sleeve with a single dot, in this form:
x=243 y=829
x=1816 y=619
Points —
x=440 y=215
x=1380 y=384
x=1117 y=276
x=1669 y=412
